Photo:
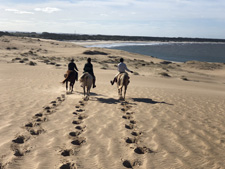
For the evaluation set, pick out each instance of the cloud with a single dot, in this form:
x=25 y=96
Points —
x=18 y=11
x=47 y=9
x=131 y=17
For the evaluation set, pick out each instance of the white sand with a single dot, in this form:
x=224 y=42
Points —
x=175 y=123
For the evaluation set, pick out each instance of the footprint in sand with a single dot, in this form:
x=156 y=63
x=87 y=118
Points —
x=127 y=117
x=77 y=122
x=79 y=141
x=125 y=108
x=38 y=115
x=67 y=152
x=36 y=131
x=59 y=99
x=18 y=153
x=136 y=133
x=81 y=104
x=131 y=140
x=41 y=119
x=80 y=127
x=80 y=110
x=47 y=108
x=62 y=98
x=129 y=126
x=143 y=150
x=129 y=113
x=82 y=116
x=68 y=166
x=132 y=163
x=133 y=122
x=54 y=103
x=74 y=134
x=30 y=124
x=75 y=113
x=20 y=139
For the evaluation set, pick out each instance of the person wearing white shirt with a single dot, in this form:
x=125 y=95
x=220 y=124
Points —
x=122 y=68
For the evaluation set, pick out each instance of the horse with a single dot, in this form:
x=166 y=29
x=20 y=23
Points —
x=71 y=76
x=122 y=81
x=86 y=81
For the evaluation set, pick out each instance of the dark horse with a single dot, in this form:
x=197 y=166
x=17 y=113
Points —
x=71 y=76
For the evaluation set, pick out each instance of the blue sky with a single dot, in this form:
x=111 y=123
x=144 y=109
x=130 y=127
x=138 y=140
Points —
x=163 y=18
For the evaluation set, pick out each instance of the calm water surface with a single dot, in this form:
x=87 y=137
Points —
x=179 y=52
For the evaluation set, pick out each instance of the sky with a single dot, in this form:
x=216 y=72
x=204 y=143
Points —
x=157 y=18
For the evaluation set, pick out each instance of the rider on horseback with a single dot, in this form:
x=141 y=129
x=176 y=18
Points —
x=122 y=68
x=88 y=67
x=72 y=68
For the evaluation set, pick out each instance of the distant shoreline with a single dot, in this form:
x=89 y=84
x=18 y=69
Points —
x=67 y=37
x=109 y=44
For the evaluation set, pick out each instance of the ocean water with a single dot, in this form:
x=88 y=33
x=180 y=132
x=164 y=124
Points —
x=172 y=51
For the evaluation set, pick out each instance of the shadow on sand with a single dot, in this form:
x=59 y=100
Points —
x=147 y=100
x=91 y=93
x=108 y=100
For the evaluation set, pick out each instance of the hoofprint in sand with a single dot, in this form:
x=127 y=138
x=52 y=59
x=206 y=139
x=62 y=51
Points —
x=173 y=115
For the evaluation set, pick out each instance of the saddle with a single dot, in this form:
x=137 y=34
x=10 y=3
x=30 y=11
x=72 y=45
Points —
x=120 y=74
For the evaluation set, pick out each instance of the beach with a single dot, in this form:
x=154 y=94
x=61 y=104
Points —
x=173 y=115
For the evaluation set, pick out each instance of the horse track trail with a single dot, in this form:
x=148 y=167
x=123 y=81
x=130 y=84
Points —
x=20 y=146
x=134 y=141
x=76 y=138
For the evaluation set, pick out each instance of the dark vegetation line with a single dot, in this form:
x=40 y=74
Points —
x=63 y=36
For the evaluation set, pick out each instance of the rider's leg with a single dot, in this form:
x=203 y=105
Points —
x=94 y=82
x=115 y=79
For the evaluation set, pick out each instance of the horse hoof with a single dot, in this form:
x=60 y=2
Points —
x=121 y=98
x=86 y=98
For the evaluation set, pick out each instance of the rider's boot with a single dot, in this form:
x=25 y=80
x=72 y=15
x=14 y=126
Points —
x=94 y=83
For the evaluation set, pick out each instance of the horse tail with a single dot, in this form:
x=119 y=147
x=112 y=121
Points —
x=66 y=77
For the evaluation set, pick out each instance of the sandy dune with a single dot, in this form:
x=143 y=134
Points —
x=173 y=116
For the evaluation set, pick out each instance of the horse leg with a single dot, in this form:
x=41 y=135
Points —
x=84 y=89
x=88 y=90
x=71 y=87
x=120 y=93
x=66 y=85
x=125 y=90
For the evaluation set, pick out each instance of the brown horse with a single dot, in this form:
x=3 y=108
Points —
x=71 y=76
x=122 y=81
x=86 y=81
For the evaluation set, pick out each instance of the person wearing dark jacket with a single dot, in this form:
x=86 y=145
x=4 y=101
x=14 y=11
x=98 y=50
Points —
x=72 y=65
x=72 y=68
x=88 y=67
